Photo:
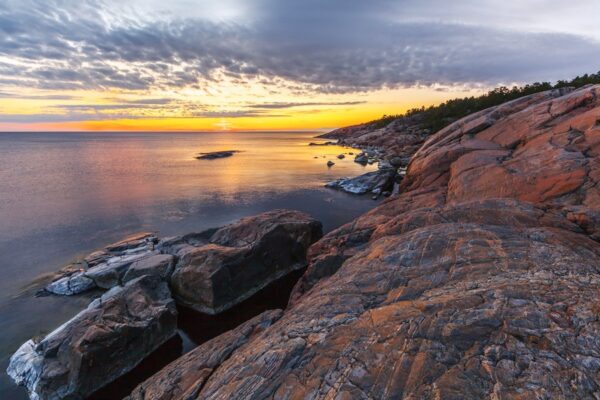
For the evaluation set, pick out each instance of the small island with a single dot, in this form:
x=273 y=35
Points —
x=216 y=154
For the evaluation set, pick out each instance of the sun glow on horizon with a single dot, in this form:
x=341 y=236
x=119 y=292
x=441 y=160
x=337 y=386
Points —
x=271 y=65
x=230 y=108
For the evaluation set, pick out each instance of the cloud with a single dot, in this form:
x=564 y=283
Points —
x=234 y=114
x=311 y=46
x=98 y=112
x=9 y=95
x=311 y=104
x=162 y=101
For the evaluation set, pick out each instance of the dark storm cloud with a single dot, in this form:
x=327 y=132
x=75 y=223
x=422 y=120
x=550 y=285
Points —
x=325 y=46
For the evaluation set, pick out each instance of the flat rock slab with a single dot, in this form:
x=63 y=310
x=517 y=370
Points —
x=216 y=155
x=101 y=343
x=240 y=259
x=104 y=268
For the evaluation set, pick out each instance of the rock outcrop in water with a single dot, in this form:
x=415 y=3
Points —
x=479 y=280
x=107 y=267
x=216 y=155
x=240 y=259
x=209 y=271
x=375 y=182
x=104 y=341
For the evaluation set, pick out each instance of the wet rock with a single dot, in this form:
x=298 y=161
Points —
x=185 y=376
x=104 y=341
x=109 y=274
x=242 y=258
x=372 y=182
x=216 y=155
x=71 y=285
x=134 y=243
x=341 y=156
x=330 y=163
x=361 y=158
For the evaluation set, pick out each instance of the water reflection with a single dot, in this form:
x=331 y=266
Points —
x=64 y=195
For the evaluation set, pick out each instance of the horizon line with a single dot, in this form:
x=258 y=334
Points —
x=172 y=131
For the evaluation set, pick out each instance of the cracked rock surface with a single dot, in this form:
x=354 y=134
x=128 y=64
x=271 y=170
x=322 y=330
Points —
x=480 y=280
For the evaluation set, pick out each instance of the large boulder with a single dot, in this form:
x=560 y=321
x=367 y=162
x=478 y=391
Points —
x=185 y=376
x=479 y=280
x=101 y=343
x=240 y=259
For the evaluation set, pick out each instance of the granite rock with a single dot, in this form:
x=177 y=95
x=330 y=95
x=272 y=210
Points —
x=104 y=341
x=184 y=377
x=478 y=280
x=242 y=258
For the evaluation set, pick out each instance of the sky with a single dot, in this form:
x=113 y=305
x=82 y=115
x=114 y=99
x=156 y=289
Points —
x=159 y=65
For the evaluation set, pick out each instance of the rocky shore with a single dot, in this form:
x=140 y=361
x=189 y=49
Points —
x=210 y=271
x=479 y=279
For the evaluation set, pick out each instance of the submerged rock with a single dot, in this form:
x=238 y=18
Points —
x=372 y=182
x=216 y=154
x=104 y=341
x=242 y=258
x=185 y=376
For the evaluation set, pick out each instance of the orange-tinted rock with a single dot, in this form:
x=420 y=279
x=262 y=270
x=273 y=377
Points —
x=479 y=280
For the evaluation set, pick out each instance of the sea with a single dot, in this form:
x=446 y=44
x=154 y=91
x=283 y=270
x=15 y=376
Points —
x=64 y=195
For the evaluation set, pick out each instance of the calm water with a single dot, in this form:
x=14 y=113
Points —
x=62 y=195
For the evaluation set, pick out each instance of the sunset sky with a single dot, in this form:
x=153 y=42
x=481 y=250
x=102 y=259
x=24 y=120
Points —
x=273 y=64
